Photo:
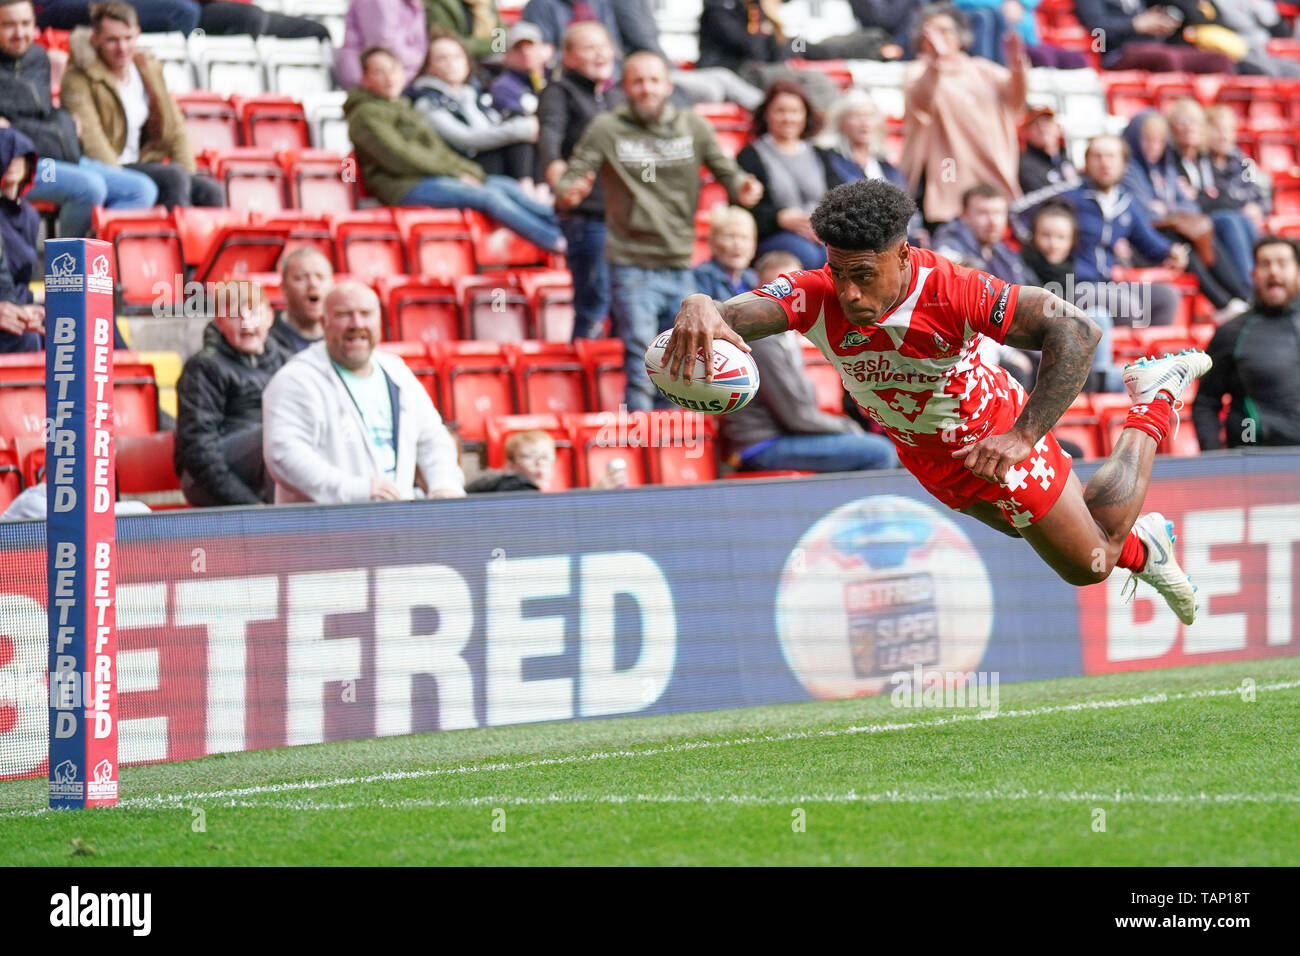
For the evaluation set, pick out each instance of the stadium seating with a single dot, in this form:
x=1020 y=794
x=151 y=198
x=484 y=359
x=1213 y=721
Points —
x=548 y=376
x=253 y=178
x=476 y=384
x=210 y=120
x=296 y=66
x=682 y=448
x=549 y=294
x=417 y=359
x=11 y=476
x=146 y=470
x=147 y=250
x=603 y=361
x=438 y=241
x=22 y=395
x=598 y=440
x=173 y=53
x=272 y=122
x=496 y=247
x=825 y=378
x=228 y=63
x=368 y=244
x=317 y=181
x=492 y=307
x=419 y=309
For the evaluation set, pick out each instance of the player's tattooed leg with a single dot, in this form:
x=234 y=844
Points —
x=1115 y=493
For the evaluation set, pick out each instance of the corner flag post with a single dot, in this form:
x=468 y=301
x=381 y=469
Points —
x=80 y=529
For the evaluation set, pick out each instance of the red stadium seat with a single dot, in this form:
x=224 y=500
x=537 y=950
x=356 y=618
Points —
x=31 y=458
x=236 y=249
x=419 y=309
x=837 y=71
x=272 y=122
x=11 y=476
x=712 y=195
x=146 y=468
x=550 y=301
x=1286 y=194
x=1126 y=94
x=304 y=230
x=724 y=115
x=252 y=177
x=438 y=242
x=271 y=285
x=603 y=361
x=198 y=227
x=492 y=308
x=147 y=249
x=501 y=427
x=368 y=244
x=476 y=384
x=417 y=359
x=682 y=448
x=210 y=120
x=496 y=247
x=317 y=181
x=22 y=395
x=1084 y=434
x=1277 y=151
x=1288 y=226
x=548 y=377
x=826 y=379
x=598 y=440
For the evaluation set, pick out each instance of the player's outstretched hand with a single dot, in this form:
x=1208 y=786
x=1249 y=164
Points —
x=698 y=324
x=991 y=457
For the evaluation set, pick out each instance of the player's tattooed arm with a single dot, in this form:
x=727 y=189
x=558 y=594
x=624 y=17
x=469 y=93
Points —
x=702 y=319
x=1068 y=340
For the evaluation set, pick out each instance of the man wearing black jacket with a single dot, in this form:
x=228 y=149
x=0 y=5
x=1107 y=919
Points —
x=567 y=106
x=1256 y=357
x=219 y=397
x=63 y=176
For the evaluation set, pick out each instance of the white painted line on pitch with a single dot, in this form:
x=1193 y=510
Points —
x=768 y=800
x=172 y=800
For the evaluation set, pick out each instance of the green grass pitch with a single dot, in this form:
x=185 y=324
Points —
x=1176 y=764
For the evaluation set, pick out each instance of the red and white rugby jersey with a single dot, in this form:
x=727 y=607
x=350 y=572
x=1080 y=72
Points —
x=917 y=372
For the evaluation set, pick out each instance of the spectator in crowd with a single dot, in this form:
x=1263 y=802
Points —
x=305 y=278
x=748 y=38
x=648 y=154
x=1045 y=168
x=1111 y=228
x=553 y=17
x=516 y=90
x=990 y=21
x=22 y=325
x=795 y=174
x=404 y=162
x=461 y=113
x=1255 y=360
x=855 y=134
x=76 y=183
x=530 y=466
x=733 y=238
x=1141 y=35
x=1235 y=176
x=1152 y=178
x=1050 y=262
x=219 y=400
x=397 y=26
x=895 y=17
x=1256 y=22
x=960 y=125
x=127 y=117
x=19 y=222
x=568 y=104
x=217 y=17
x=345 y=422
x=782 y=429
x=1234 y=231
x=476 y=22
x=975 y=240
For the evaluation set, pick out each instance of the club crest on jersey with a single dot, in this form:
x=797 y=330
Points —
x=853 y=338
x=778 y=288
x=943 y=345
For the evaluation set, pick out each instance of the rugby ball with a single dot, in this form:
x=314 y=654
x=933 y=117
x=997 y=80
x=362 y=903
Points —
x=735 y=378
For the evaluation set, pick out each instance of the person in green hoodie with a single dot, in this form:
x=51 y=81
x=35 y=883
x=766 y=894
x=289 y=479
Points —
x=648 y=155
x=404 y=162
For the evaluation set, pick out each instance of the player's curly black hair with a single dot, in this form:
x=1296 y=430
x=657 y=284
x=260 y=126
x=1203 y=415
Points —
x=870 y=215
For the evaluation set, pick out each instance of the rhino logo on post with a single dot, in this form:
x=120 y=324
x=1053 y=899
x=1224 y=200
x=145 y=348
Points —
x=64 y=265
x=103 y=772
x=65 y=772
x=99 y=268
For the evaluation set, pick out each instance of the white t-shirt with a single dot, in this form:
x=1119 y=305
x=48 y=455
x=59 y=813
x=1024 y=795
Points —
x=136 y=103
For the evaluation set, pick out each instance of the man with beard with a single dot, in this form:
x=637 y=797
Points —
x=1255 y=359
x=343 y=422
x=305 y=278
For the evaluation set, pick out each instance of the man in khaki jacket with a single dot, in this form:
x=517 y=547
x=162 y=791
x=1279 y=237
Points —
x=127 y=116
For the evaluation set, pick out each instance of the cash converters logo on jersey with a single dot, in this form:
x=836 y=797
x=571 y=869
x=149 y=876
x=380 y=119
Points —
x=881 y=585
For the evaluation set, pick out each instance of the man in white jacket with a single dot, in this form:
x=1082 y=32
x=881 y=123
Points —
x=343 y=422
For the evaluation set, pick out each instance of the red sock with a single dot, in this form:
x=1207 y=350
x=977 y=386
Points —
x=1133 y=555
x=1151 y=418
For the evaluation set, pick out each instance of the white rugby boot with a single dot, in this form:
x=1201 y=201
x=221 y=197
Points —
x=1161 y=570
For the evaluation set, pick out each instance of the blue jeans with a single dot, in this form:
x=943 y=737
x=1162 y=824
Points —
x=155 y=16
x=643 y=303
x=500 y=197
x=837 y=452
x=20 y=342
x=1237 y=236
x=811 y=254
x=78 y=189
x=586 y=260
x=987 y=26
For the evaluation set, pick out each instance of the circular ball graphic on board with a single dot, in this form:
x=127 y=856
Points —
x=876 y=588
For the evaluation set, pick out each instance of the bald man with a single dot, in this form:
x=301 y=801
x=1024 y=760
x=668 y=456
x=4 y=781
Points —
x=305 y=278
x=344 y=423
